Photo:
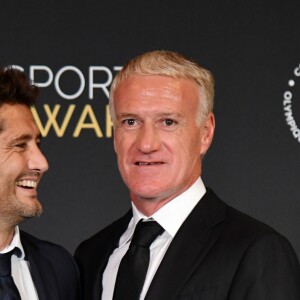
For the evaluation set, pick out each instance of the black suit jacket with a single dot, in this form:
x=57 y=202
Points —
x=53 y=270
x=217 y=254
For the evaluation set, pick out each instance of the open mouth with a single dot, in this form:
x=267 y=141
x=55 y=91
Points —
x=27 y=184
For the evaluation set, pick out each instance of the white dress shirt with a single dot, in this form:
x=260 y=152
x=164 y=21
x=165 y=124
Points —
x=170 y=217
x=20 y=269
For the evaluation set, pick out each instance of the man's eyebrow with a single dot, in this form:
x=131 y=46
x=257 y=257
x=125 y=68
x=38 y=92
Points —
x=2 y=127
x=160 y=114
x=25 y=137
x=22 y=137
x=127 y=115
x=171 y=114
x=39 y=137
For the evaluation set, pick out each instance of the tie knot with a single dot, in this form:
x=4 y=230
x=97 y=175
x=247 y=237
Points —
x=5 y=262
x=145 y=233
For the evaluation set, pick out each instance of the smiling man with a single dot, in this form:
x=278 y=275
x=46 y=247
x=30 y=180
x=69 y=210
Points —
x=179 y=240
x=30 y=269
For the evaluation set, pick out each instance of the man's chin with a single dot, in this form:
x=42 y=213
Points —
x=30 y=210
x=32 y=214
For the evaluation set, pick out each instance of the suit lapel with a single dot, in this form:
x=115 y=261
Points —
x=188 y=248
x=111 y=239
x=41 y=271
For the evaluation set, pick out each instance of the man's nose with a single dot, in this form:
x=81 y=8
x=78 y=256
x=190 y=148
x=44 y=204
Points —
x=37 y=160
x=148 y=139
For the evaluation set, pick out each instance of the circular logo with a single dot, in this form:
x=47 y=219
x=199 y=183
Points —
x=288 y=101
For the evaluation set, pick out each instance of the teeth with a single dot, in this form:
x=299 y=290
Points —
x=146 y=164
x=27 y=183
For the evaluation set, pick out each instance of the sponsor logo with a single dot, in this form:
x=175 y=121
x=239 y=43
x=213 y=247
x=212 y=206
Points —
x=289 y=100
x=74 y=101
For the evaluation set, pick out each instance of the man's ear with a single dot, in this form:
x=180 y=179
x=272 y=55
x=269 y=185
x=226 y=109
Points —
x=207 y=133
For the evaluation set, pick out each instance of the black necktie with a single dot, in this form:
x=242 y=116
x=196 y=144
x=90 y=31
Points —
x=8 y=289
x=134 y=265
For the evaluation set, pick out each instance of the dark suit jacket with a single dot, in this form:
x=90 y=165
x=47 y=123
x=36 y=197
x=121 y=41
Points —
x=217 y=254
x=52 y=268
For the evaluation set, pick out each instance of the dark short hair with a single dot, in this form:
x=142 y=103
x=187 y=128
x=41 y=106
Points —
x=15 y=88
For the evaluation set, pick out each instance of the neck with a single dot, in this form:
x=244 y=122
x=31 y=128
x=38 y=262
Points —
x=149 y=206
x=6 y=236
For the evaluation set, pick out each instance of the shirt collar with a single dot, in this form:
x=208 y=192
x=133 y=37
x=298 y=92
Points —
x=16 y=242
x=173 y=214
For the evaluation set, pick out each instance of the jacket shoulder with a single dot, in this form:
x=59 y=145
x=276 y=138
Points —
x=55 y=254
x=42 y=246
x=45 y=256
x=109 y=234
x=238 y=221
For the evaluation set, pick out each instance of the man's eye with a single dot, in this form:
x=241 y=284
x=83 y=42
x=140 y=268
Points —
x=129 y=122
x=21 y=145
x=169 y=122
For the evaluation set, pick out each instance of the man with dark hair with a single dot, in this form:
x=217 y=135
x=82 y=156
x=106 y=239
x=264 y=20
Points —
x=30 y=269
x=179 y=240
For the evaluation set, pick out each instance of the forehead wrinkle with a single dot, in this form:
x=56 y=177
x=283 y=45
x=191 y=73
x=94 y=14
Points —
x=165 y=92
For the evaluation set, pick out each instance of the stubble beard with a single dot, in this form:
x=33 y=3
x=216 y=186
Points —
x=16 y=211
x=29 y=211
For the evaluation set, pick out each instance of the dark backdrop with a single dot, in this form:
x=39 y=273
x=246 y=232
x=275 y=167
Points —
x=73 y=48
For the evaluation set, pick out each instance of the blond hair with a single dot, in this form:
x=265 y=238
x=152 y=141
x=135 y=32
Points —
x=171 y=64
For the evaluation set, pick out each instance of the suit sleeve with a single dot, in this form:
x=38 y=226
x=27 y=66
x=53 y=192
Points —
x=269 y=269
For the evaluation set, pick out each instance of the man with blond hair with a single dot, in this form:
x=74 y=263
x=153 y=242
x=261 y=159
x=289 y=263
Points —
x=179 y=240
